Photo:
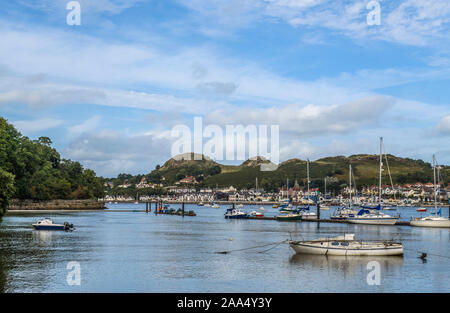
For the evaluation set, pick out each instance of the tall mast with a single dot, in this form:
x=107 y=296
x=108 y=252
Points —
x=307 y=173
x=435 y=191
x=350 y=180
x=381 y=169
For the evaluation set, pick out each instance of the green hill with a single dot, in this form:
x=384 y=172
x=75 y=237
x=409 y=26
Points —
x=365 y=168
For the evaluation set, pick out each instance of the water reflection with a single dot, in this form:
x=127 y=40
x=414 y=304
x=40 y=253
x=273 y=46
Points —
x=346 y=264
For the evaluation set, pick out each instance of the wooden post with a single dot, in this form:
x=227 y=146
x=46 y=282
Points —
x=318 y=210
x=182 y=209
x=146 y=207
x=233 y=205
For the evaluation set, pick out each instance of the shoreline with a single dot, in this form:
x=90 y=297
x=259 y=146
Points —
x=56 y=205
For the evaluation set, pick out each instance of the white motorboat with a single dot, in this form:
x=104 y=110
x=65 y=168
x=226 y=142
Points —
x=48 y=224
x=347 y=245
x=215 y=206
x=306 y=215
x=255 y=213
x=235 y=214
x=324 y=208
x=433 y=220
x=240 y=205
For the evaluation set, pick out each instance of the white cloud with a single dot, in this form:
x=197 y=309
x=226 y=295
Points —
x=37 y=125
x=110 y=153
x=443 y=126
x=87 y=126
x=311 y=120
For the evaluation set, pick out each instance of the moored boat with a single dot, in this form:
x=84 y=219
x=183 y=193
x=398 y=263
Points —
x=48 y=224
x=255 y=214
x=372 y=218
x=289 y=217
x=235 y=214
x=434 y=220
x=347 y=245
x=422 y=210
x=431 y=221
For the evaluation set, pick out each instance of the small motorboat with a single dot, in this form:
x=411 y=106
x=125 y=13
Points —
x=48 y=224
x=289 y=217
x=347 y=245
x=235 y=214
x=200 y=204
x=255 y=214
x=324 y=208
x=240 y=205
x=422 y=210
x=215 y=206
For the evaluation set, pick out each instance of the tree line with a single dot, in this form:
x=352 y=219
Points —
x=32 y=169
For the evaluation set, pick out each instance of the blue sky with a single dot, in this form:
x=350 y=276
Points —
x=109 y=91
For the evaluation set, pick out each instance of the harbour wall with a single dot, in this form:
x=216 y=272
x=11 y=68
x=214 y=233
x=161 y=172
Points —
x=31 y=205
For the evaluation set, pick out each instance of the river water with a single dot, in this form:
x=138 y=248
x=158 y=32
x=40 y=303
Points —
x=129 y=251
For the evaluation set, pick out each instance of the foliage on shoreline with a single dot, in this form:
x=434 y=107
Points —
x=32 y=169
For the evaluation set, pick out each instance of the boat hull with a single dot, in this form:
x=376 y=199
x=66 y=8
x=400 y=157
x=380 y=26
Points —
x=373 y=221
x=235 y=216
x=289 y=218
x=48 y=227
x=313 y=249
x=430 y=223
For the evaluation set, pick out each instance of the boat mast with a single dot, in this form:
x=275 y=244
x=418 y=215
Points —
x=307 y=174
x=434 y=179
x=350 y=180
x=381 y=169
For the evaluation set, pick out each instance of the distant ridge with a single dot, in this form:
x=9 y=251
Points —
x=209 y=173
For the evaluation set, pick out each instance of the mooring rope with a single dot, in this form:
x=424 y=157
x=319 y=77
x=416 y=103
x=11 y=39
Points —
x=275 y=244
x=432 y=254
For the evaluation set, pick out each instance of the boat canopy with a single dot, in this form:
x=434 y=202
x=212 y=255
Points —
x=378 y=207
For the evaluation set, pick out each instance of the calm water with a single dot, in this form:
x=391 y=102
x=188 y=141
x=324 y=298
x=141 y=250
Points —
x=139 y=252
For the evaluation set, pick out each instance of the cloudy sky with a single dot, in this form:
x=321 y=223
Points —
x=108 y=92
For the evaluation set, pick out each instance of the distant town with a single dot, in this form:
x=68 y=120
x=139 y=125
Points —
x=185 y=190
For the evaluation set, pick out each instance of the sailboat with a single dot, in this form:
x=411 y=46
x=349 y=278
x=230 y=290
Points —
x=374 y=216
x=347 y=245
x=433 y=220
x=345 y=213
x=304 y=211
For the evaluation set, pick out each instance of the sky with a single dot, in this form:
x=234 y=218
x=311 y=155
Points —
x=108 y=92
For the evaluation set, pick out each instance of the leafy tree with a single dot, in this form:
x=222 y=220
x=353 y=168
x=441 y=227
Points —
x=6 y=189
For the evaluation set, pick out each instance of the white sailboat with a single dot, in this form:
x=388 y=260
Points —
x=374 y=216
x=345 y=213
x=305 y=212
x=347 y=245
x=433 y=220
